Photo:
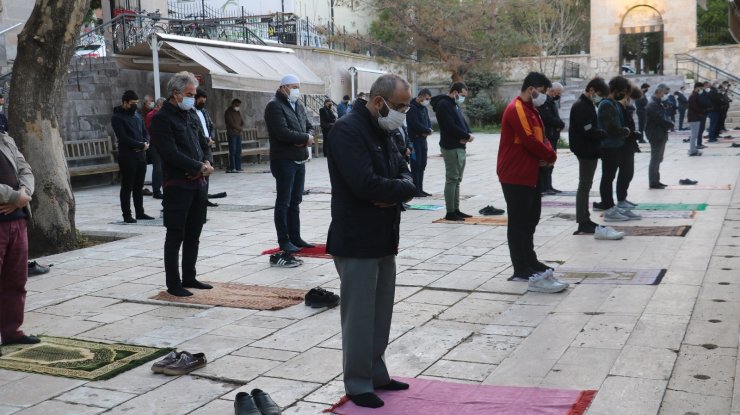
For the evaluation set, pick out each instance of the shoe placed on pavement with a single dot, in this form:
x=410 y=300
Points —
x=185 y=364
x=179 y=292
x=463 y=215
x=197 y=285
x=607 y=233
x=701 y=146
x=288 y=247
x=284 y=260
x=129 y=219
x=265 y=404
x=540 y=283
x=300 y=243
x=34 y=268
x=211 y=204
x=550 y=275
x=490 y=210
x=158 y=196
x=614 y=215
x=630 y=214
x=220 y=195
x=598 y=206
x=454 y=217
x=171 y=358
x=658 y=186
x=687 y=182
x=735 y=145
x=585 y=229
x=144 y=216
x=698 y=153
x=146 y=192
x=244 y=404
x=23 y=340
x=426 y=194
x=623 y=204
x=685 y=140
x=319 y=297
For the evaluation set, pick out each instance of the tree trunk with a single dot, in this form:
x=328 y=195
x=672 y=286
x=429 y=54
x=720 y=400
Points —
x=45 y=47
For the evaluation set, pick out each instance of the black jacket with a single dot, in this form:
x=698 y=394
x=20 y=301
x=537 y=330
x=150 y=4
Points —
x=683 y=102
x=641 y=104
x=211 y=133
x=584 y=135
x=550 y=115
x=288 y=129
x=417 y=118
x=402 y=141
x=327 y=117
x=697 y=112
x=657 y=123
x=177 y=135
x=368 y=170
x=130 y=132
x=452 y=124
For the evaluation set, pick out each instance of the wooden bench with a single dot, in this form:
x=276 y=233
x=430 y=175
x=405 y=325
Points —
x=251 y=145
x=94 y=156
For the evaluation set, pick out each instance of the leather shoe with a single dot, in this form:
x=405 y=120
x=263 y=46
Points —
x=453 y=216
x=23 y=340
x=187 y=363
x=300 y=243
x=288 y=247
x=211 y=204
x=244 y=405
x=129 y=219
x=196 y=284
x=463 y=215
x=265 y=404
x=144 y=216
x=146 y=192
x=34 y=268
x=657 y=186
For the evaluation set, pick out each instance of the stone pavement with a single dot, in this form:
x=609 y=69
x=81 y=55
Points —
x=668 y=348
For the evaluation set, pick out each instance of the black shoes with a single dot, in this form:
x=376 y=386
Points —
x=196 y=284
x=300 y=243
x=23 y=340
x=34 y=268
x=658 y=186
x=258 y=403
x=158 y=196
x=288 y=247
x=687 y=182
x=144 y=216
x=211 y=204
x=394 y=385
x=129 y=219
x=453 y=216
x=179 y=292
x=264 y=403
x=598 y=206
x=367 y=400
x=319 y=297
x=284 y=260
x=146 y=192
x=217 y=195
x=490 y=210
x=463 y=215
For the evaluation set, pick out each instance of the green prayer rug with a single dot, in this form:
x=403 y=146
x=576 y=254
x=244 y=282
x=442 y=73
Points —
x=425 y=207
x=77 y=359
x=671 y=206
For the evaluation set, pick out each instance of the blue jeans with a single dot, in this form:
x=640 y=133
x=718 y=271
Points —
x=714 y=119
x=235 y=152
x=419 y=162
x=289 y=180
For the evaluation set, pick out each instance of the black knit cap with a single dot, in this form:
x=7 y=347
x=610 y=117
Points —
x=129 y=96
x=200 y=93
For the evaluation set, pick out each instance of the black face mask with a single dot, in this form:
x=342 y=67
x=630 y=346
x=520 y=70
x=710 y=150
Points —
x=131 y=110
x=556 y=98
x=619 y=96
x=200 y=106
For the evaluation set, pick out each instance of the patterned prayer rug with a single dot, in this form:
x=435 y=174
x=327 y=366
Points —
x=477 y=220
x=319 y=251
x=671 y=206
x=426 y=207
x=231 y=294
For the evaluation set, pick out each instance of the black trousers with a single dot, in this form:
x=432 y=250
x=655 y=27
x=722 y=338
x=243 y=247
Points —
x=133 y=171
x=524 y=204
x=184 y=216
x=626 y=171
x=610 y=158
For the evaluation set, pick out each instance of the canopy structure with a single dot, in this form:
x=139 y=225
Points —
x=233 y=66
x=365 y=79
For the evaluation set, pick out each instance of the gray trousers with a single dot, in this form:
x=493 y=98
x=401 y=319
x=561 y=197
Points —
x=586 y=170
x=694 y=139
x=367 y=290
x=657 y=148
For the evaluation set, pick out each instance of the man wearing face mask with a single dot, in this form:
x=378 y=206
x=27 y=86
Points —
x=640 y=105
x=327 y=118
x=696 y=116
x=657 y=126
x=550 y=114
x=419 y=128
x=186 y=163
x=369 y=183
x=234 y=127
x=343 y=108
x=132 y=145
x=207 y=127
x=291 y=133
x=455 y=134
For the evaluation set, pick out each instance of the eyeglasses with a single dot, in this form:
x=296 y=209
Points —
x=403 y=108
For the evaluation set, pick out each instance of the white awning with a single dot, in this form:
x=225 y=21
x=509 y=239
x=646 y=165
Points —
x=233 y=66
x=365 y=78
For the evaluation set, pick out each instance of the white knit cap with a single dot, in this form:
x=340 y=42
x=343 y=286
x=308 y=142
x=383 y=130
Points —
x=290 y=79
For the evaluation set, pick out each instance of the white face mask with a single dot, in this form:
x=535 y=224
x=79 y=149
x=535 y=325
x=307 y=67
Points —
x=236 y=108
x=294 y=95
x=664 y=98
x=187 y=103
x=707 y=90
x=460 y=99
x=539 y=99
x=596 y=99
x=394 y=119
x=426 y=102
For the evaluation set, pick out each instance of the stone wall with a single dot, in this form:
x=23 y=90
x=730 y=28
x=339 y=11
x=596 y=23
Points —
x=724 y=57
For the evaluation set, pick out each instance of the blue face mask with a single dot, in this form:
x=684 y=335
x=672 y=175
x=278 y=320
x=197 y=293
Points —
x=187 y=103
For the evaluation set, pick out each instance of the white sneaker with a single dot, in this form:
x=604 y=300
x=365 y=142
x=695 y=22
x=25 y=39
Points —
x=634 y=205
x=624 y=204
x=607 y=233
x=550 y=275
x=613 y=215
x=541 y=284
x=630 y=214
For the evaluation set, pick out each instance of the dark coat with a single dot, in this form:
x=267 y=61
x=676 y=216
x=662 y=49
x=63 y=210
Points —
x=369 y=170
x=584 y=135
x=179 y=140
x=402 y=141
x=452 y=124
x=417 y=118
x=641 y=104
x=657 y=123
x=3 y=122
x=683 y=102
x=327 y=117
x=550 y=115
x=697 y=111
x=288 y=129
x=130 y=132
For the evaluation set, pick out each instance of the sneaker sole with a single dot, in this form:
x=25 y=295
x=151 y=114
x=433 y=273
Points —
x=547 y=290
x=287 y=265
x=180 y=372
x=607 y=238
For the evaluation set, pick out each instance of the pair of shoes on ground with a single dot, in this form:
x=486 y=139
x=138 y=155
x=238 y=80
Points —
x=687 y=182
x=490 y=210
x=140 y=216
x=179 y=363
x=256 y=403
x=371 y=400
x=182 y=291
x=284 y=259
x=34 y=268
x=25 y=339
x=319 y=297
x=292 y=247
x=545 y=282
x=617 y=214
x=457 y=216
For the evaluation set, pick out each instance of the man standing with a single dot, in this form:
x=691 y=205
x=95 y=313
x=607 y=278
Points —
x=234 y=126
x=550 y=114
x=419 y=128
x=132 y=145
x=369 y=183
x=683 y=104
x=640 y=106
x=290 y=134
x=185 y=164
x=16 y=188
x=152 y=151
x=327 y=119
x=522 y=151
x=455 y=134
x=343 y=108
x=696 y=118
x=657 y=126
x=207 y=128
x=715 y=112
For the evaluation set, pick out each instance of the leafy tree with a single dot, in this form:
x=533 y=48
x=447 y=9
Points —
x=480 y=110
x=711 y=24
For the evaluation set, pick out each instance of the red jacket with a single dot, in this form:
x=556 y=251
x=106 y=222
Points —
x=148 y=120
x=522 y=145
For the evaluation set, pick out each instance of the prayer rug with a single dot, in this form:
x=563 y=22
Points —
x=152 y=222
x=425 y=207
x=319 y=251
x=231 y=294
x=700 y=187
x=671 y=206
x=477 y=220
x=618 y=276
x=239 y=208
x=654 y=230
x=666 y=214
x=557 y=203
x=78 y=359
x=427 y=396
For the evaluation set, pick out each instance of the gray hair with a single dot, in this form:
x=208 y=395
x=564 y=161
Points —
x=386 y=85
x=662 y=87
x=160 y=101
x=180 y=80
x=556 y=86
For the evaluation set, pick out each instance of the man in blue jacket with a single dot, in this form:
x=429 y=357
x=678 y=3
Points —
x=133 y=141
x=455 y=134
x=419 y=128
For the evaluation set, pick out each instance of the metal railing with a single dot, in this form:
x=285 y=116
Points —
x=570 y=70
x=697 y=65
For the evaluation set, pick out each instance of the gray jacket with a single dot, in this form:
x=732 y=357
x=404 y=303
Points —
x=22 y=169
x=657 y=123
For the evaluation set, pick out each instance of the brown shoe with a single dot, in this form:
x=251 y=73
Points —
x=185 y=364
x=171 y=358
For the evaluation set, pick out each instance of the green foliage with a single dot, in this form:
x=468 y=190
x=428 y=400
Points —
x=480 y=110
x=711 y=24
x=483 y=82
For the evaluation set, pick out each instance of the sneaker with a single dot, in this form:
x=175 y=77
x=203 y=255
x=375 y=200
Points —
x=185 y=364
x=614 y=215
x=634 y=205
x=540 y=283
x=597 y=206
x=625 y=204
x=630 y=214
x=550 y=275
x=319 y=297
x=284 y=260
x=607 y=233
x=172 y=357
x=463 y=215
x=490 y=210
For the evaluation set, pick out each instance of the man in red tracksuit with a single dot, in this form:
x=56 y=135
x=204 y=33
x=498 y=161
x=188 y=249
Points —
x=523 y=149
